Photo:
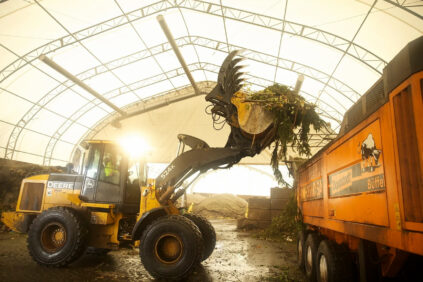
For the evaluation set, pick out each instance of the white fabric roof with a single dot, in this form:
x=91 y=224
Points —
x=118 y=48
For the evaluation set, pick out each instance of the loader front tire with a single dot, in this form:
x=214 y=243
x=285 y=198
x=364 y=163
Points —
x=57 y=237
x=207 y=231
x=170 y=247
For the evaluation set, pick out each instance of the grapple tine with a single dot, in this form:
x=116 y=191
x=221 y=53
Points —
x=225 y=66
x=231 y=76
x=234 y=83
x=237 y=61
x=234 y=70
x=239 y=81
x=238 y=75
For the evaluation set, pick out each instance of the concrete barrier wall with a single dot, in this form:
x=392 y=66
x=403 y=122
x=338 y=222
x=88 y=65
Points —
x=261 y=211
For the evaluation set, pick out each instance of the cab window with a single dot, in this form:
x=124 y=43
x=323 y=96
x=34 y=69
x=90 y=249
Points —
x=94 y=160
x=111 y=165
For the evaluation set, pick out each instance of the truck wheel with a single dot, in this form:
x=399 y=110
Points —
x=300 y=249
x=333 y=263
x=310 y=252
x=57 y=237
x=170 y=247
x=207 y=232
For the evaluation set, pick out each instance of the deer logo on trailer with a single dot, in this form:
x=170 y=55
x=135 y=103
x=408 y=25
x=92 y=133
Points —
x=369 y=154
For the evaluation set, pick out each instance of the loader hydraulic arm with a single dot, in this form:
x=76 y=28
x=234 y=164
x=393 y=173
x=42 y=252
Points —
x=200 y=158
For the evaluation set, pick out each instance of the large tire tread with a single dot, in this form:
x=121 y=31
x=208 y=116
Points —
x=338 y=261
x=312 y=241
x=197 y=245
x=79 y=244
x=207 y=231
x=300 y=256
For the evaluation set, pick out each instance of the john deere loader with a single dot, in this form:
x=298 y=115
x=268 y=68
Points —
x=112 y=201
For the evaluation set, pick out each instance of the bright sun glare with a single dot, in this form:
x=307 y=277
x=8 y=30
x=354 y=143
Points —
x=135 y=145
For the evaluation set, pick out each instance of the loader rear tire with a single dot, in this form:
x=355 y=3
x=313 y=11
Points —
x=57 y=237
x=170 y=247
x=207 y=232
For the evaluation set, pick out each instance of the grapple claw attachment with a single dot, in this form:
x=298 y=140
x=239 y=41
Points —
x=247 y=120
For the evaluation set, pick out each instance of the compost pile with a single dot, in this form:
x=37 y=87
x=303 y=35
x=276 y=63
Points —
x=11 y=175
x=221 y=206
x=292 y=118
x=194 y=199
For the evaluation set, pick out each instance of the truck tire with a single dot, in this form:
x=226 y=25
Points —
x=57 y=237
x=300 y=249
x=310 y=251
x=207 y=232
x=333 y=263
x=170 y=247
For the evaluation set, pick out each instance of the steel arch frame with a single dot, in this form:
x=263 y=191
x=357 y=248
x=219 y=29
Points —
x=404 y=5
x=120 y=91
x=101 y=124
x=310 y=72
x=195 y=5
x=164 y=96
x=55 y=138
x=329 y=39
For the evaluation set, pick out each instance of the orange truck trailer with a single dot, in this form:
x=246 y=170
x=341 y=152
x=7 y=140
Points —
x=361 y=197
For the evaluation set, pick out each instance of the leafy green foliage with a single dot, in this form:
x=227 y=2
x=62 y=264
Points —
x=292 y=118
x=287 y=224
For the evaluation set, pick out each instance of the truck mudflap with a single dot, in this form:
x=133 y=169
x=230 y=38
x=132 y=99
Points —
x=17 y=221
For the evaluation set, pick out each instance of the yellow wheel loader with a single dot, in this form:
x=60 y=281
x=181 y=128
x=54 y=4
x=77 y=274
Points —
x=112 y=201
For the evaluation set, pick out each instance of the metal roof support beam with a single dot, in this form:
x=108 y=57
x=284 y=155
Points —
x=406 y=6
x=299 y=83
x=151 y=103
x=346 y=51
x=178 y=54
x=143 y=42
x=38 y=106
x=281 y=38
x=79 y=82
x=79 y=41
x=35 y=155
x=173 y=73
x=165 y=47
x=309 y=32
x=189 y=34
x=181 y=92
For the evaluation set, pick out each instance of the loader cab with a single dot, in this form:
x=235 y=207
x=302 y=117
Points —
x=110 y=176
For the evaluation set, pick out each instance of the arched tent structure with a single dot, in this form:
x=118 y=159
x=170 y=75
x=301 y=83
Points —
x=118 y=49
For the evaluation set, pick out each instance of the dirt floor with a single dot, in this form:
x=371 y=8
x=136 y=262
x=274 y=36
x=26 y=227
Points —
x=239 y=256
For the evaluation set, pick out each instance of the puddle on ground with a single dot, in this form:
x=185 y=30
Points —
x=238 y=256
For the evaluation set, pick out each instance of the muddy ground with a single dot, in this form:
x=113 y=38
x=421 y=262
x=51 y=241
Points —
x=239 y=256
